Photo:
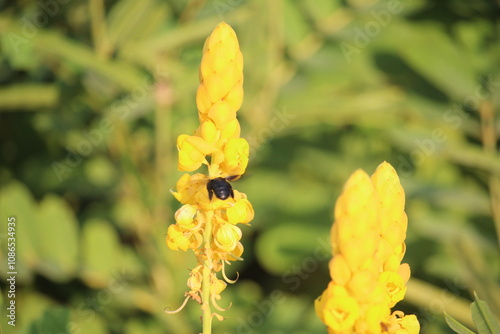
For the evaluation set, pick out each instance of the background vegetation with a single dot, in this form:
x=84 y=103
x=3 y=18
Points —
x=94 y=93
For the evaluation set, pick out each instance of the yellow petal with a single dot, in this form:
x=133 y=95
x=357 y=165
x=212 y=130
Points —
x=339 y=270
x=176 y=239
x=185 y=216
x=221 y=114
x=231 y=129
x=338 y=309
x=240 y=212
x=236 y=153
x=209 y=132
x=203 y=100
x=226 y=237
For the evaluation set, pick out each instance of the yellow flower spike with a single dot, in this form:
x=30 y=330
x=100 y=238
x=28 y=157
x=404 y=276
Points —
x=221 y=70
x=368 y=245
x=206 y=223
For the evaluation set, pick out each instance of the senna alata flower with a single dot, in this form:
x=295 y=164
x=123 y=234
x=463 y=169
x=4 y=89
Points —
x=207 y=223
x=367 y=277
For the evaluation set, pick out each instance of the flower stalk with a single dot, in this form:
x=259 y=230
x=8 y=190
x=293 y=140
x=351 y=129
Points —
x=207 y=270
x=212 y=209
x=367 y=238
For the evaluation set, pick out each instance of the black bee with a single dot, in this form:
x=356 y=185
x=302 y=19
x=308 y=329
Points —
x=221 y=188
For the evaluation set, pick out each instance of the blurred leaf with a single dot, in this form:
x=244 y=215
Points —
x=57 y=231
x=456 y=326
x=425 y=146
x=54 y=320
x=281 y=248
x=18 y=47
x=133 y=20
x=40 y=96
x=102 y=254
x=134 y=326
x=483 y=317
x=17 y=201
x=88 y=318
x=481 y=276
x=296 y=26
x=100 y=171
x=121 y=74
x=145 y=51
x=432 y=53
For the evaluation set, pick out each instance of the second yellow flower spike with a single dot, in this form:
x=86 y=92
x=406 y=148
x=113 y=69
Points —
x=368 y=245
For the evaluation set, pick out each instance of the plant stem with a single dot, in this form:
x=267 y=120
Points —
x=99 y=29
x=207 y=270
x=489 y=138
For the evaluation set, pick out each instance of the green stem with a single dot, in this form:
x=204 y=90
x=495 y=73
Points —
x=207 y=270
x=489 y=137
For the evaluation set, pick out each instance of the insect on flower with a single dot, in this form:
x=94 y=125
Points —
x=221 y=188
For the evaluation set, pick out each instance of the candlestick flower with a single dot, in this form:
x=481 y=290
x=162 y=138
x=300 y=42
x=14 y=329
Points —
x=205 y=223
x=367 y=277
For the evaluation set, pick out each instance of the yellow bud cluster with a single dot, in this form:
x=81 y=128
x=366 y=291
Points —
x=205 y=223
x=368 y=246
x=218 y=98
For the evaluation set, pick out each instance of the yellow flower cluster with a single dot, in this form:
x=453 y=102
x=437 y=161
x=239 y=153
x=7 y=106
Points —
x=208 y=225
x=368 y=245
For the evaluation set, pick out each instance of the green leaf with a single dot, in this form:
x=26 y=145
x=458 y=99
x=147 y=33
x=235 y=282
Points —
x=57 y=233
x=16 y=201
x=289 y=255
x=456 y=326
x=483 y=317
x=102 y=254
x=433 y=54
x=41 y=96
x=54 y=320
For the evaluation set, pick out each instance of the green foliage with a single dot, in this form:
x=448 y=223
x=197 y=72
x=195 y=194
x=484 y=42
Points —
x=483 y=319
x=54 y=320
x=93 y=95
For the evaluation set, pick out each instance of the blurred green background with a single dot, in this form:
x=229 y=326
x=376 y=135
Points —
x=94 y=93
